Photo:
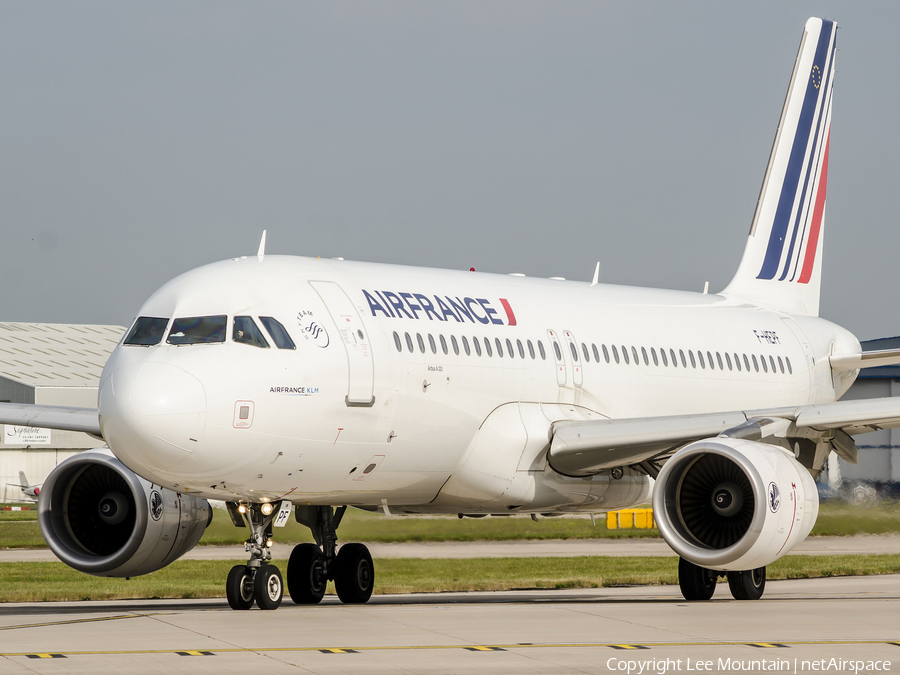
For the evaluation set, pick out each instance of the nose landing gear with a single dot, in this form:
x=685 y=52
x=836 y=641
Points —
x=257 y=580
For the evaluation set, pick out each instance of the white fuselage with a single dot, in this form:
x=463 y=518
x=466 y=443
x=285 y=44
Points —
x=238 y=422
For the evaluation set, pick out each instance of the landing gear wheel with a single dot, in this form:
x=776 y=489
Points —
x=268 y=587
x=355 y=574
x=306 y=577
x=697 y=583
x=239 y=587
x=747 y=585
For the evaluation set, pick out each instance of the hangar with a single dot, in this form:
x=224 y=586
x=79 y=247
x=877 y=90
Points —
x=49 y=364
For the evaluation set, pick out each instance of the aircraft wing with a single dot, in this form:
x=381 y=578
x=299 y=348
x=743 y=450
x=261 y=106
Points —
x=580 y=448
x=86 y=420
x=876 y=359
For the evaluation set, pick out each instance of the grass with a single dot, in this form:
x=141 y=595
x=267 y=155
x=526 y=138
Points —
x=19 y=529
x=37 y=582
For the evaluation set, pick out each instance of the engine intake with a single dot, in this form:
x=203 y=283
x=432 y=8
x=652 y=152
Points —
x=99 y=517
x=733 y=504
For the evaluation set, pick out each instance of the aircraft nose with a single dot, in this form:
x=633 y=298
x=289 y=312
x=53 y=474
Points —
x=152 y=414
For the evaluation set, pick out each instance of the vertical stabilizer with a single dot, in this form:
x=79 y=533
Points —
x=782 y=263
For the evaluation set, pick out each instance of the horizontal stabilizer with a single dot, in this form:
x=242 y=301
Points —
x=885 y=357
x=86 y=420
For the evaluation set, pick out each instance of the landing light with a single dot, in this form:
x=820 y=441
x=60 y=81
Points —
x=242 y=508
x=267 y=509
x=269 y=543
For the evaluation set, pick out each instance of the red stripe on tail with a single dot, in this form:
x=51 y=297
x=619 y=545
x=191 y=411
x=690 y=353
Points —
x=813 y=242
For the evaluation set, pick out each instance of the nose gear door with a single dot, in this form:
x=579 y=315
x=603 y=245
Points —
x=360 y=385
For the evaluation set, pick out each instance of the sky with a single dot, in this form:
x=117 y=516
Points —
x=141 y=140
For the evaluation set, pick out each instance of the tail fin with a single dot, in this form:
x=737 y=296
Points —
x=23 y=482
x=782 y=264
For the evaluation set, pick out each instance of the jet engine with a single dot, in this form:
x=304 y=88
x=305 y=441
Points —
x=102 y=519
x=731 y=504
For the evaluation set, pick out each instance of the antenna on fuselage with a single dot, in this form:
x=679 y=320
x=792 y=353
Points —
x=596 y=275
x=261 y=253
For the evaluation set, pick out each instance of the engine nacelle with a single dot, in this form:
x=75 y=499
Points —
x=100 y=518
x=731 y=504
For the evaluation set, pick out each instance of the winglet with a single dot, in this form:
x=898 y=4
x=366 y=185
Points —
x=262 y=246
x=596 y=275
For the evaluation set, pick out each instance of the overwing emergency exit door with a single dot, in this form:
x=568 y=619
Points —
x=354 y=338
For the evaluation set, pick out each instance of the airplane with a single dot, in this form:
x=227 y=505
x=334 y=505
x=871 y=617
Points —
x=30 y=491
x=283 y=384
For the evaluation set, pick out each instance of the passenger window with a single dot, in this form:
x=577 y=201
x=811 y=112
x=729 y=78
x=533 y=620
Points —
x=693 y=362
x=737 y=362
x=606 y=354
x=487 y=347
x=279 y=335
x=530 y=349
x=672 y=356
x=420 y=342
x=455 y=344
x=764 y=366
x=244 y=330
x=644 y=354
x=615 y=353
x=477 y=345
x=653 y=354
x=196 y=330
x=634 y=353
x=397 y=342
x=747 y=364
x=755 y=364
x=719 y=359
x=541 y=350
x=683 y=362
x=787 y=362
x=431 y=344
x=596 y=353
x=558 y=353
x=727 y=360
x=772 y=363
x=409 y=343
x=574 y=352
x=443 y=344
x=587 y=355
x=662 y=354
x=147 y=331
x=499 y=347
x=709 y=358
x=625 y=355
x=522 y=350
x=700 y=358
x=781 y=365
x=509 y=349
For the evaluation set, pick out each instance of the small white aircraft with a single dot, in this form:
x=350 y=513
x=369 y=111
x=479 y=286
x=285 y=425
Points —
x=282 y=384
x=28 y=490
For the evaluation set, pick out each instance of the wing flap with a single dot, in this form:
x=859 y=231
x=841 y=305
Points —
x=86 y=420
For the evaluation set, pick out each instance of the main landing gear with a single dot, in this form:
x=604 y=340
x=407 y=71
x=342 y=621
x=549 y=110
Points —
x=310 y=567
x=699 y=583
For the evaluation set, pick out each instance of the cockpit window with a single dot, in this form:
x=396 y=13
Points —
x=196 y=330
x=147 y=331
x=279 y=334
x=245 y=331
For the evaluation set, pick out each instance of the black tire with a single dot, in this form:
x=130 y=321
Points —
x=239 y=587
x=697 y=583
x=747 y=585
x=306 y=578
x=268 y=587
x=355 y=574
